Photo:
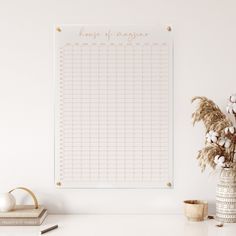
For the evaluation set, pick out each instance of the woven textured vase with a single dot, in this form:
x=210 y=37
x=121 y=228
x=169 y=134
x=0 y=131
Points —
x=226 y=196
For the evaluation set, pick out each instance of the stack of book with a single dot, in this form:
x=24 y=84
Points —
x=23 y=215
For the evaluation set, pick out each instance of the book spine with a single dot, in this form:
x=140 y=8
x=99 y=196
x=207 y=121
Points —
x=23 y=222
x=19 y=222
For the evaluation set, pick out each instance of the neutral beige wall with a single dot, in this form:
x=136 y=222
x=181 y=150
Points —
x=204 y=58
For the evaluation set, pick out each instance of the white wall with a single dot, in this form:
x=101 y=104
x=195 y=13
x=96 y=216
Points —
x=205 y=53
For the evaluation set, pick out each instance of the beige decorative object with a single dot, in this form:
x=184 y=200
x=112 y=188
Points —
x=23 y=211
x=226 y=196
x=219 y=152
x=21 y=214
x=195 y=210
x=36 y=205
x=7 y=202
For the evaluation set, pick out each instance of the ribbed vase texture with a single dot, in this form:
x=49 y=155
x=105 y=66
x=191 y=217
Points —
x=226 y=196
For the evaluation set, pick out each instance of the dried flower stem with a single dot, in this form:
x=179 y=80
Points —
x=214 y=120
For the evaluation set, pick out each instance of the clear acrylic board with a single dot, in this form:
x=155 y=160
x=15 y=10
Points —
x=113 y=107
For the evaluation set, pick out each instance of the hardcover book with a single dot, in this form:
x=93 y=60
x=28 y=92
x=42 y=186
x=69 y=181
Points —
x=23 y=215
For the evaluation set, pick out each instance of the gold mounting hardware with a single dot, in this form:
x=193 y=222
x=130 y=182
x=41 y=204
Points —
x=58 y=29
x=168 y=28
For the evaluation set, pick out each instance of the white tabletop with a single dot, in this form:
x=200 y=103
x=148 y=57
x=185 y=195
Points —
x=122 y=225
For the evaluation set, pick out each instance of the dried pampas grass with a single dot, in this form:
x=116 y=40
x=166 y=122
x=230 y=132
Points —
x=214 y=120
x=210 y=114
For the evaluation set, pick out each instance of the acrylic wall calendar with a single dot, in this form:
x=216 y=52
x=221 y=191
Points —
x=113 y=110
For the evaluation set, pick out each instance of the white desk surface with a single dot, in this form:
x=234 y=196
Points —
x=122 y=225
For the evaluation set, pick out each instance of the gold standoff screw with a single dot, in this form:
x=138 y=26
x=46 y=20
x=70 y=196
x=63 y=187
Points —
x=58 y=183
x=168 y=184
x=58 y=29
x=168 y=28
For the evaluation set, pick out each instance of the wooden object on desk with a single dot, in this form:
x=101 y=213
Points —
x=195 y=210
x=23 y=215
x=23 y=211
